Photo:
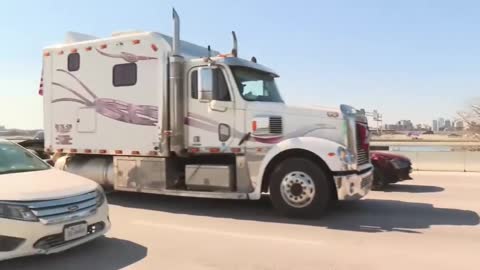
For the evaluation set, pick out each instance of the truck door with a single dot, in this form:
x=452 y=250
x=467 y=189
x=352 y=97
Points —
x=211 y=116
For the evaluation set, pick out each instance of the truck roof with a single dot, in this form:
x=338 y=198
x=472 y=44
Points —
x=187 y=49
x=234 y=61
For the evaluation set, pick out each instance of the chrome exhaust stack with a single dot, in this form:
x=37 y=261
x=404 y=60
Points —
x=235 y=45
x=176 y=33
x=176 y=108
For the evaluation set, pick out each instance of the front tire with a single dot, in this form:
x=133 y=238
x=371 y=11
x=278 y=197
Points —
x=379 y=180
x=300 y=188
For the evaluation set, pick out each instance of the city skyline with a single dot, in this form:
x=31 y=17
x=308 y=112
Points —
x=436 y=125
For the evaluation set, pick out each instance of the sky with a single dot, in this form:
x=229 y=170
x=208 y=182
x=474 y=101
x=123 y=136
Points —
x=409 y=59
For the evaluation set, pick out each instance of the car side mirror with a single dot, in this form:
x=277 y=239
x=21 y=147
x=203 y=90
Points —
x=205 y=84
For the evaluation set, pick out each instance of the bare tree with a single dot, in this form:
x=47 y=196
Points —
x=472 y=118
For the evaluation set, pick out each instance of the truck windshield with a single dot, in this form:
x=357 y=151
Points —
x=15 y=159
x=255 y=85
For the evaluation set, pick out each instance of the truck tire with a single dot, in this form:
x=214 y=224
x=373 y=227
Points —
x=300 y=188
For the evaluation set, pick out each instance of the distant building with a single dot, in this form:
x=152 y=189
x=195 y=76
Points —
x=2 y=128
x=435 y=126
x=391 y=127
x=459 y=125
x=441 y=123
x=448 y=124
x=405 y=125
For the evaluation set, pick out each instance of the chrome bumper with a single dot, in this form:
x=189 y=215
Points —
x=32 y=232
x=353 y=186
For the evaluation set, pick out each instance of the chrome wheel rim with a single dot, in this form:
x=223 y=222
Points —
x=297 y=189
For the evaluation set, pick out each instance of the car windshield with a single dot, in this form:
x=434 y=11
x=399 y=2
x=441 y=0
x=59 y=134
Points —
x=15 y=159
x=256 y=85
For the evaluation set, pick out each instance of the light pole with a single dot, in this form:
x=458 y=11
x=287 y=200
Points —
x=377 y=117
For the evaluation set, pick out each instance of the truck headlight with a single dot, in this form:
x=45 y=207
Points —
x=345 y=156
x=100 y=196
x=18 y=212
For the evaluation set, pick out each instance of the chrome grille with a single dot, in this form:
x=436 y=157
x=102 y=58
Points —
x=363 y=156
x=66 y=209
x=276 y=125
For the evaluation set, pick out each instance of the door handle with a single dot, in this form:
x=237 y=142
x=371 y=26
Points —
x=213 y=108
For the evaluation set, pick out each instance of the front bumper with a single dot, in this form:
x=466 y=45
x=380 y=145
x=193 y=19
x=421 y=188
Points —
x=354 y=186
x=402 y=169
x=34 y=232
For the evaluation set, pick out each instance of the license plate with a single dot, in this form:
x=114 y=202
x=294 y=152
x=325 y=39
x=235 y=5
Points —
x=75 y=231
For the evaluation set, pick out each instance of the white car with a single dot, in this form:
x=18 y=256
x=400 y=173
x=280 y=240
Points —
x=44 y=210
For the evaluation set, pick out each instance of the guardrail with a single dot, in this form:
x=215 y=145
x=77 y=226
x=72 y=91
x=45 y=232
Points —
x=436 y=157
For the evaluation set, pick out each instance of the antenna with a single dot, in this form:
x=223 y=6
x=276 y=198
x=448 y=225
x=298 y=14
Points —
x=235 y=45
x=209 y=59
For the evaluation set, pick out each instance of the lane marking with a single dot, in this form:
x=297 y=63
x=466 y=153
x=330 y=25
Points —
x=226 y=233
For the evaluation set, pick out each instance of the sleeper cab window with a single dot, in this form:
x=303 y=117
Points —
x=73 y=62
x=125 y=74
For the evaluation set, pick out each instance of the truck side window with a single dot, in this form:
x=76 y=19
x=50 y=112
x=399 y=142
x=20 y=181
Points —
x=194 y=84
x=73 y=62
x=125 y=74
x=220 y=92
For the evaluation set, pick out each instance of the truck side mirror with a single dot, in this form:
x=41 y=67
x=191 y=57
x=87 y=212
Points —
x=205 y=84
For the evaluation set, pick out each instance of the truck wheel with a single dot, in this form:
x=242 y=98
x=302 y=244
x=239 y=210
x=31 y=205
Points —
x=300 y=188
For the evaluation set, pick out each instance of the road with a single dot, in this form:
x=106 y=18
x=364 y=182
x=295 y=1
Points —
x=431 y=222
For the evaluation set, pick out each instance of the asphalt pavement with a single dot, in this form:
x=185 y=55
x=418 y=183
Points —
x=431 y=222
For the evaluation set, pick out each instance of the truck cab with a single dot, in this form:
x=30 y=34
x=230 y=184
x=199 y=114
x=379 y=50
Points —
x=148 y=113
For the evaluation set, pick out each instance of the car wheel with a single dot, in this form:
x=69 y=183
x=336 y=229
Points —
x=300 y=188
x=379 y=181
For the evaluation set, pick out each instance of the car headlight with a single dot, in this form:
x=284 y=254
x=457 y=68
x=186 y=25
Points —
x=100 y=196
x=399 y=163
x=345 y=156
x=18 y=212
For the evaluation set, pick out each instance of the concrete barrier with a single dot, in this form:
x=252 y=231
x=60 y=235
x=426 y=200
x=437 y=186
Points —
x=443 y=161
x=472 y=161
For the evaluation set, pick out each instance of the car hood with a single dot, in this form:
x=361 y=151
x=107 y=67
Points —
x=388 y=156
x=43 y=185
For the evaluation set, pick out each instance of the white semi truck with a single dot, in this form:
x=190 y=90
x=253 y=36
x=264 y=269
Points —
x=144 y=112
